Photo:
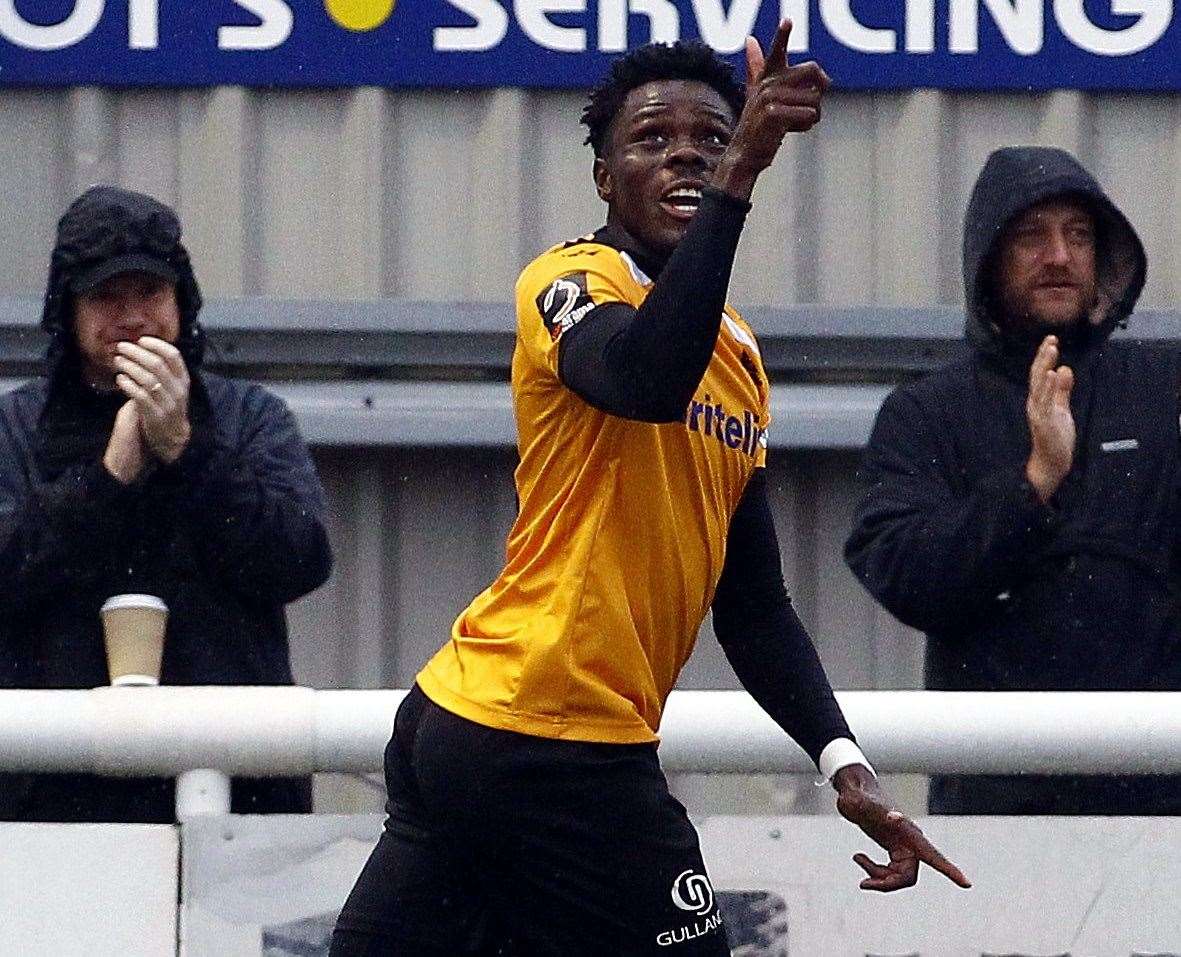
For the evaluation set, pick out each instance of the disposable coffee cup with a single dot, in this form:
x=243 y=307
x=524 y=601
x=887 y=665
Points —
x=133 y=626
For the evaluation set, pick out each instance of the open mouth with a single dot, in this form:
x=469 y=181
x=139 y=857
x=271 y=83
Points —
x=682 y=201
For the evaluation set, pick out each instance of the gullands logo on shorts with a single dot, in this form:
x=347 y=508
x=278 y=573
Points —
x=691 y=892
x=711 y=418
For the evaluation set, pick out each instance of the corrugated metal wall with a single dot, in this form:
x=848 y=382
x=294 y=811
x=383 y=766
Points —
x=420 y=532
x=443 y=196
x=437 y=195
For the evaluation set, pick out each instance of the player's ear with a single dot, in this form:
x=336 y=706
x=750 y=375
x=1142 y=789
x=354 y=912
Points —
x=604 y=183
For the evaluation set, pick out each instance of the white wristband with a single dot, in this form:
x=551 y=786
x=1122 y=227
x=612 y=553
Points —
x=840 y=753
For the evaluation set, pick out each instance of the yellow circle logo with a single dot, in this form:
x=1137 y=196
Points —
x=359 y=15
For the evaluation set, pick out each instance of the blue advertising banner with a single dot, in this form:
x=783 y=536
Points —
x=863 y=44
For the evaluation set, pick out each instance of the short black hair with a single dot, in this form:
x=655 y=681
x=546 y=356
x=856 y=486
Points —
x=683 y=60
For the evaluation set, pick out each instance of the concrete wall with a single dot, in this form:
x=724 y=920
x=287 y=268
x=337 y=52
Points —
x=75 y=890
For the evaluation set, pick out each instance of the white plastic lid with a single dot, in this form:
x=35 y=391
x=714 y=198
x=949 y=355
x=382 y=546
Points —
x=134 y=601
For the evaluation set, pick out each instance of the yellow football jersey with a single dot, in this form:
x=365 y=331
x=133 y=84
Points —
x=621 y=535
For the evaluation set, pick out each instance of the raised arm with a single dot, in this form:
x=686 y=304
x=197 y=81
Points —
x=646 y=363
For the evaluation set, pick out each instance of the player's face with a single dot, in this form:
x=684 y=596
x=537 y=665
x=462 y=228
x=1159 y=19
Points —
x=662 y=147
x=1047 y=266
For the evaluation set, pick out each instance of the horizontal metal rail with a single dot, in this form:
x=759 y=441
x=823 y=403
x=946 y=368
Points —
x=448 y=415
x=240 y=730
x=402 y=340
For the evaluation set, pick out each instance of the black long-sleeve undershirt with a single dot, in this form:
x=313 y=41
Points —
x=763 y=638
x=646 y=363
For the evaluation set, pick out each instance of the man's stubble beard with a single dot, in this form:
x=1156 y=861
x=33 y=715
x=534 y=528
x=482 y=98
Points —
x=1028 y=328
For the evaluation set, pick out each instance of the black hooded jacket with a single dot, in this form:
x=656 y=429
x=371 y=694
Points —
x=1079 y=594
x=226 y=535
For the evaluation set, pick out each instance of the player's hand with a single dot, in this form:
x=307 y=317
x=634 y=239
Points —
x=125 y=455
x=1051 y=423
x=152 y=374
x=780 y=99
x=861 y=800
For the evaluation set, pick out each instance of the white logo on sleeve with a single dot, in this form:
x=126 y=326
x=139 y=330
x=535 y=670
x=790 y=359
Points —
x=692 y=892
x=560 y=299
x=564 y=304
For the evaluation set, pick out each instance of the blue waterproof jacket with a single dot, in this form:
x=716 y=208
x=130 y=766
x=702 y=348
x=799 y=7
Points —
x=227 y=535
x=1080 y=594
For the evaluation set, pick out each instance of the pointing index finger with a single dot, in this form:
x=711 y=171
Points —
x=930 y=855
x=777 y=55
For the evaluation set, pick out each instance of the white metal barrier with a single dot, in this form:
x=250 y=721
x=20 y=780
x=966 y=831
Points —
x=201 y=735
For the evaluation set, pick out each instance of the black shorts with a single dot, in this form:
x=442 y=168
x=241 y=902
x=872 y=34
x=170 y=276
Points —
x=500 y=843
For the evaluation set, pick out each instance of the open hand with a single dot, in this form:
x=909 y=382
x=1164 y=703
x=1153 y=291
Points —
x=125 y=455
x=152 y=374
x=861 y=801
x=1051 y=423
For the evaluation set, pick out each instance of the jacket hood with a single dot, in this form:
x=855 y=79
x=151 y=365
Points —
x=108 y=230
x=1014 y=179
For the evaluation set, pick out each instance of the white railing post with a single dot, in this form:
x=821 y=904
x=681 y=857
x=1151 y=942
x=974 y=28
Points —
x=201 y=792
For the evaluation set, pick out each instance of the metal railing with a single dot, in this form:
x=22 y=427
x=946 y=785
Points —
x=202 y=735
